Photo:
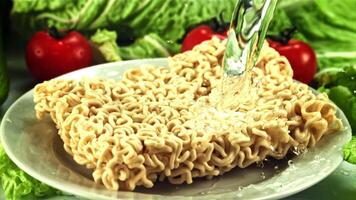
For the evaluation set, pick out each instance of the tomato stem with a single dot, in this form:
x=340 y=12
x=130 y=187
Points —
x=53 y=31
x=284 y=36
x=288 y=32
x=218 y=24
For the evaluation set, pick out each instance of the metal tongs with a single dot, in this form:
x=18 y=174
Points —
x=246 y=35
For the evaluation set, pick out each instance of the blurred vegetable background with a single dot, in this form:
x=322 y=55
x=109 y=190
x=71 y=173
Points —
x=136 y=28
x=121 y=30
x=4 y=82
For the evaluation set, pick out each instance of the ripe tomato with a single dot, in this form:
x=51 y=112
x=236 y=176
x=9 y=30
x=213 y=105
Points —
x=301 y=57
x=48 y=56
x=198 y=35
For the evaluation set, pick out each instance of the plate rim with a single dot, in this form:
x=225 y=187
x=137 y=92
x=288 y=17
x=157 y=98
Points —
x=91 y=195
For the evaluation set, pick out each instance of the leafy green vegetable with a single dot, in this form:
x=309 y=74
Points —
x=281 y=22
x=345 y=76
x=328 y=26
x=17 y=184
x=167 y=18
x=340 y=85
x=106 y=43
x=335 y=54
x=320 y=20
x=350 y=151
x=165 y=22
x=25 y=6
x=171 y=18
x=149 y=45
x=345 y=100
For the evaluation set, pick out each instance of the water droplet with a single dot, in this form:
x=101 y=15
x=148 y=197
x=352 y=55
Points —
x=260 y=164
x=298 y=150
x=344 y=172
x=295 y=150
x=290 y=162
x=262 y=175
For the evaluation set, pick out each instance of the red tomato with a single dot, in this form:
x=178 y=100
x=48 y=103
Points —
x=198 y=35
x=48 y=57
x=301 y=57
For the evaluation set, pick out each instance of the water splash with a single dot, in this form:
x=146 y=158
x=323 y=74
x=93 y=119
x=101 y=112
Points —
x=248 y=28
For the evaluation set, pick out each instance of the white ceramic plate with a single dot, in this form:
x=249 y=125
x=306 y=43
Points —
x=37 y=149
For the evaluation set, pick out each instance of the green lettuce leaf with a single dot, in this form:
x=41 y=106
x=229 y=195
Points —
x=340 y=85
x=64 y=15
x=105 y=41
x=331 y=77
x=328 y=26
x=150 y=45
x=346 y=78
x=350 y=151
x=18 y=185
x=335 y=54
x=346 y=101
x=160 y=25
x=169 y=19
x=26 y=6
x=319 y=19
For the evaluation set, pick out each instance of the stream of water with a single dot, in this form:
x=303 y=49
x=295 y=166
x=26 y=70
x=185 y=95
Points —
x=248 y=28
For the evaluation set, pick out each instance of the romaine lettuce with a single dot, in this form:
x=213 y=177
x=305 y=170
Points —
x=105 y=41
x=350 y=151
x=154 y=23
x=150 y=45
x=328 y=26
x=18 y=185
x=340 y=85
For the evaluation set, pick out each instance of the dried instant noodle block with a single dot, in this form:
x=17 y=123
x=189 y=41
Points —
x=161 y=123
